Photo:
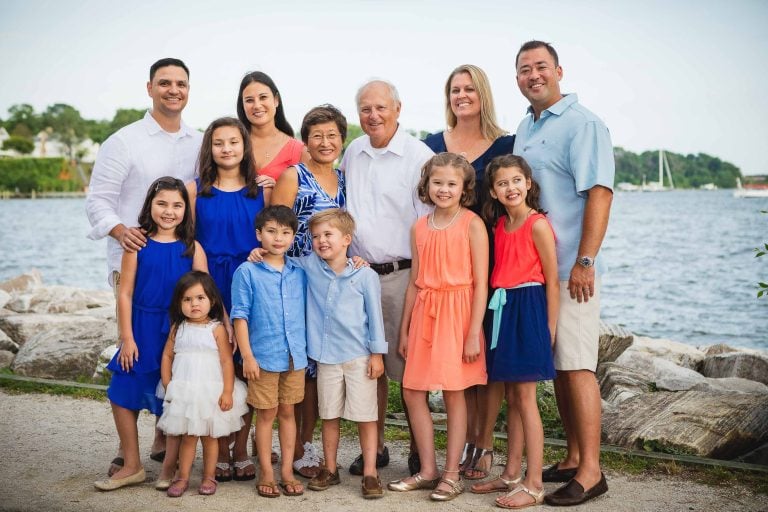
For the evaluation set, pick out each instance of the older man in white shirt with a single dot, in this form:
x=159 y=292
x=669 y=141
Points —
x=128 y=162
x=382 y=170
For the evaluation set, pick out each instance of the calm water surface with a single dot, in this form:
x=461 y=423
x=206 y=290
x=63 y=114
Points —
x=681 y=264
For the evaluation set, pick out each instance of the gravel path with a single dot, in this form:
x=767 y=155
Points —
x=53 y=448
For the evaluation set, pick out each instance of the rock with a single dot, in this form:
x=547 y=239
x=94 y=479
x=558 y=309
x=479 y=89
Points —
x=59 y=299
x=730 y=385
x=676 y=352
x=614 y=340
x=20 y=328
x=102 y=313
x=757 y=456
x=6 y=358
x=435 y=401
x=720 y=348
x=66 y=350
x=618 y=383
x=4 y=298
x=28 y=281
x=665 y=374
x=722 y=426
x=7 y=343
x=751 y=365
x=105 y=357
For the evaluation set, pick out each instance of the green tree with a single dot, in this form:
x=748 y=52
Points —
x=67 y=124
x=19 y=144
x=353 y=131
x=23 y=114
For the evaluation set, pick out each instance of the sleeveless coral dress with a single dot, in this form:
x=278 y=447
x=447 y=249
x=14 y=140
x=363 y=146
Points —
x=441 y=314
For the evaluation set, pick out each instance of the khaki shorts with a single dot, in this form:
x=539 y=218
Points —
x=345 y=391
x=578 y=331
x=273 y=388
x=393 y=286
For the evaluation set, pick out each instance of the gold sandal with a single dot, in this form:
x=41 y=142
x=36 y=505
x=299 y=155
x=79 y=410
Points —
x=456 y=488
x=538 y=498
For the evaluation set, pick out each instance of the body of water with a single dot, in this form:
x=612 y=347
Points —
x=681 y=264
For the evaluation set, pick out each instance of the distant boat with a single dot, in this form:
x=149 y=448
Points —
x=750 y=190
x=659 y=186
x=628 y=187
x=708 y=186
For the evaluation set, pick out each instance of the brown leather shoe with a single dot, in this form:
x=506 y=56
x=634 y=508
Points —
x=573 y=493
x=324 y=480
x=372 y=488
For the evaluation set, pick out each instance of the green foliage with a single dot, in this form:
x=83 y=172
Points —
x=23 y=118
x=688 y=171
x=38 y=174
x=395 y=404
x=353 y=131
x=99 y=131
x=22 y=145
x=68 y=126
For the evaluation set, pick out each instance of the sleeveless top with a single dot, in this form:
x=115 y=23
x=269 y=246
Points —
x=311 y=199
x=289 y=155
x=517 y=260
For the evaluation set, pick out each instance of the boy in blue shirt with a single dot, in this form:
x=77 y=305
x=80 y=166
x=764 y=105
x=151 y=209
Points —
x=268 y=303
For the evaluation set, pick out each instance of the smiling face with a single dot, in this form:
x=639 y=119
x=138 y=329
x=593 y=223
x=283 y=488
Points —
x=464 y=98
x=259 y=104
x=378 y=112
x=445 y=186
x=324 y=142
x=169 y=90
x=167 y=210
x=510 y=187
x=329 y=242
x=539 y=78
x=195 y=304
x=275 y=238
x=227 y=147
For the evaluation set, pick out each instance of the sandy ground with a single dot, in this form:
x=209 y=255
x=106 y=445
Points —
x=53 y=448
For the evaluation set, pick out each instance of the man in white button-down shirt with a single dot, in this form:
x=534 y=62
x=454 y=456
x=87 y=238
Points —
x=382 y=170
x=129 y=161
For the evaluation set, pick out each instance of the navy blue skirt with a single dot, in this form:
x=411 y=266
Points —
x=523 y=352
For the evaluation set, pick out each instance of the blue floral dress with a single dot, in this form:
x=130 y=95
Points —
x=311 y=199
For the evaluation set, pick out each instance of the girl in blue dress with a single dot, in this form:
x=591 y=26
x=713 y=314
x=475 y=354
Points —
x=147 y=280
x=225 y=200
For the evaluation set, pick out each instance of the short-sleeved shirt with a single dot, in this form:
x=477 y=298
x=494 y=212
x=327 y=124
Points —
x=272 y=302
x=344 y=319
x=569 y=150
x=382 y=195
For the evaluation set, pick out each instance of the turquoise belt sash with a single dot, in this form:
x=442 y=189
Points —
x=498 y=300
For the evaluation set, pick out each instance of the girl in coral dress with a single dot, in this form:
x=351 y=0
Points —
x=441 y=336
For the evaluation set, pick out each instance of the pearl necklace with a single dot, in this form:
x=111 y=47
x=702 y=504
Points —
x=432 y=220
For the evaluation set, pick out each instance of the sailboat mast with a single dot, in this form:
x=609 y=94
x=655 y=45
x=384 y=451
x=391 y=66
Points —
x=661 y=168
x=669 y=172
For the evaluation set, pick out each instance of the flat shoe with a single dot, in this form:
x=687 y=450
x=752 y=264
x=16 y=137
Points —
x=508 y=485
x=538 y=498
x=554 y=474
x=419 y=482
x=207 y=486
x=573 y=493
x=110 y=484
x=440 y=495
x=178 y=487
x=284 y=485
x=324 y=479
x=371 y=487
x=162 y=484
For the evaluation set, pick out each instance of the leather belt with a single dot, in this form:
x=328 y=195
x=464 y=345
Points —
x=387 y=268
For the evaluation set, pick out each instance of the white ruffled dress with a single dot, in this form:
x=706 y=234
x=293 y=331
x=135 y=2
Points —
x=191 y=402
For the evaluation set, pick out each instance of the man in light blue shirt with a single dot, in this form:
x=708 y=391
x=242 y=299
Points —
x=570 y=152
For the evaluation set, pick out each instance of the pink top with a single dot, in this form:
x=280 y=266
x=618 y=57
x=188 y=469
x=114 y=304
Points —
x=516 y=258
x=289 y=154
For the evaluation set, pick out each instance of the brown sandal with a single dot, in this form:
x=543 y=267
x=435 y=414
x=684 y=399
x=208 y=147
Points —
x=284 y=484
x=274 y=490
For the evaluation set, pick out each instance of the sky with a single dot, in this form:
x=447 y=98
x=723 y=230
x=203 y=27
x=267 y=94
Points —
x=684 y=76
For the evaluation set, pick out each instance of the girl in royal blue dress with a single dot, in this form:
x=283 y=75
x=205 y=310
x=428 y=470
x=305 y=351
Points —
x=147 y=280
x=225 y=200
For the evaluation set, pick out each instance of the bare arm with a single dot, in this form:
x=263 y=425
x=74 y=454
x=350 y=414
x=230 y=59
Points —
x=544 y=240
x=227 y=367
x=478 y=245
x=199 y=260
x=250 y=365
x=582 y=280
x=410 y=298
x=166 y=362
x=286 y=188
x=129 y=352
x=192 y=192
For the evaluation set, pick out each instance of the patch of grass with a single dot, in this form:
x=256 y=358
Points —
x=19 y=387
x=395 y=402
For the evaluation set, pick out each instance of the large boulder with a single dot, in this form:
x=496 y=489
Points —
x=105 y=356
x=665 y=374
x=4 y=298
x=6 y=343
x=28 y=281
x=66 y=350
x=614 y=340
x=21 y=328
x=678 y=353
x=752 y=365
x=757 y=456
x=730 y=385
x=59 y=299
x=618 y=383
x=722 y=426
x=6 y=358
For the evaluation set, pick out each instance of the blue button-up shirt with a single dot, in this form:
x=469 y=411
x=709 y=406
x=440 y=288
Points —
x=344 y=319
x=273 y=304
x=569 y=150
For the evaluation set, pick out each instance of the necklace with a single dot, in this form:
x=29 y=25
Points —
x=432 y=220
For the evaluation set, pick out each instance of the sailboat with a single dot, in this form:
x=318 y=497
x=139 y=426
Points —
x=749 y=191
x=659 y=186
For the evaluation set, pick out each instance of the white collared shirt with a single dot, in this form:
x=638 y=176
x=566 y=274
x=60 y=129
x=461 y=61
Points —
x=382 y=195
x=127 y=164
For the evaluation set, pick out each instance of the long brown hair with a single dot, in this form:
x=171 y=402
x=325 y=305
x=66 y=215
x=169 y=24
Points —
x=493 y=209
x=207 y=169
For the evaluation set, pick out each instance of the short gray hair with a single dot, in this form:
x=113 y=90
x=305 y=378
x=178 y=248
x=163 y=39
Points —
x=392 y=89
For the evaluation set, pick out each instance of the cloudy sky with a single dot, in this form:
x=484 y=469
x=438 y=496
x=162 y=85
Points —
x=686 y=76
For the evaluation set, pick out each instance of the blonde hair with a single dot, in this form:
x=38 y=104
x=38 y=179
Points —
x=336 y=217
x=488 y=125
x=448 y=160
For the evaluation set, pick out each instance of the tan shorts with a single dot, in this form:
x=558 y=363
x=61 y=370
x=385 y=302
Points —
x=393 y=286
x=273 y=388
x=578 y=331
x=345 y=391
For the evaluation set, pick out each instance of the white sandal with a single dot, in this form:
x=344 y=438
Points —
x=538 y=497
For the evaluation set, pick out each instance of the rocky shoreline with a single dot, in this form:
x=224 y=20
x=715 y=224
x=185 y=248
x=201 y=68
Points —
x=658 y=395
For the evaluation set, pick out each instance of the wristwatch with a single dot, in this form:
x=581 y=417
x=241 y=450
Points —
x=585 y=261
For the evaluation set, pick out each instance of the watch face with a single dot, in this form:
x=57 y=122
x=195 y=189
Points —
x=586 y=261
